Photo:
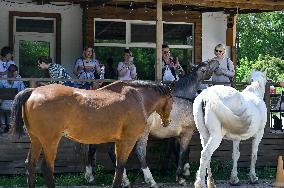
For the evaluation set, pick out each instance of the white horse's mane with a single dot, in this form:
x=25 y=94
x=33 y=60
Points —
x=257 y=86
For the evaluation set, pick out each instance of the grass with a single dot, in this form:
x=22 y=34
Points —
x=221 y=171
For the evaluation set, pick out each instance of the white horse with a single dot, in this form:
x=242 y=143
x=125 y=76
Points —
x=223 y=112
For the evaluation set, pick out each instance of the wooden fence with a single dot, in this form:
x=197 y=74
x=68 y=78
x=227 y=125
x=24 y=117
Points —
x=14 y=152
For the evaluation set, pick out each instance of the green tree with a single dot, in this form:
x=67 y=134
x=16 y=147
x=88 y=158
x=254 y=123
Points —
x=29 y=52
x=260 y=45
x=273 y=65
x=260 y=33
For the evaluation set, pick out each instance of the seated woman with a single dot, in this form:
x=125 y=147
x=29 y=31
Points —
x=6 y=60
x=87 y=67
x=12 y=72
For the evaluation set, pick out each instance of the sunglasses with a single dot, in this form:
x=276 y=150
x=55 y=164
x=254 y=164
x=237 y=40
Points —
x=220 y=51
x=166 y=52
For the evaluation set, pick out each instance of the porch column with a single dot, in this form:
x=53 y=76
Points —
x=231 y=34
x=159 y=40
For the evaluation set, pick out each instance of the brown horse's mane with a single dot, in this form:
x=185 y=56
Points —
x=162 y=89
x=188 y=79
x=159 y=87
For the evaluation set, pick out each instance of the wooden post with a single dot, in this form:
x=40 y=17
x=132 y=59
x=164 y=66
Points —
x=267 y=102
x=159 y=40
x=231 y=34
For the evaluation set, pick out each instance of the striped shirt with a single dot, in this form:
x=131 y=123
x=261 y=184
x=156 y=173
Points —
x=57 y=71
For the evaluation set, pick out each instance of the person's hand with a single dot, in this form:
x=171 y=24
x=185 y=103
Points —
x=219 y=71
x=281 y=84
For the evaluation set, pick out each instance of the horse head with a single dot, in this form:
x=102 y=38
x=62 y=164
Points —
x=211 y=66
x=204 y=70
x=259 y=77
x=165 y=108
x=258 y=82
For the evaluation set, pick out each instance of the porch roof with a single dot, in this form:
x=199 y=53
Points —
x=228 y=6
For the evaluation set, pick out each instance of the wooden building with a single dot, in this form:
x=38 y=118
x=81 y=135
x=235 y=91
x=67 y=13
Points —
x=192 y=26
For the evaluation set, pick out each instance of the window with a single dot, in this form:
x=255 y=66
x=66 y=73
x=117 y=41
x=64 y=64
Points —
x=34 y=25
x=140 y=37
x=110 y=32
x=178 y=34
x=34 y=35
x=143 y=33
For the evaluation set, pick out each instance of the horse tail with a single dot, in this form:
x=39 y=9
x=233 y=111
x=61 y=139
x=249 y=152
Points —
x=198 y=114
x=17 y=123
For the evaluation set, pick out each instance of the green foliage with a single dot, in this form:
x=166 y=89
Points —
x=243 y=70
x=260 y=45
x=29 y=52
x=144 y=59
x=273 y=65
x=260 y=33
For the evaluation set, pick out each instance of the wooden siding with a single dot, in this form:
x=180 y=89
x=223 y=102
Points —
x=139 y=14
x=14 y=152
x=249 y=5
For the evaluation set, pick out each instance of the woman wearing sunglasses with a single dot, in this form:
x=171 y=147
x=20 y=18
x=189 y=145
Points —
x=171 y=67
x=226 y=70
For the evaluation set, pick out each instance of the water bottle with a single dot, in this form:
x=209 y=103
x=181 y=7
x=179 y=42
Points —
x=102 y=75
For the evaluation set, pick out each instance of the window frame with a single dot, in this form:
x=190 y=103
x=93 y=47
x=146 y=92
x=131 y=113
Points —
x=39 y=15
x=129 y=44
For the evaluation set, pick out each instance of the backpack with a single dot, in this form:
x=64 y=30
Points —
x=168 y=76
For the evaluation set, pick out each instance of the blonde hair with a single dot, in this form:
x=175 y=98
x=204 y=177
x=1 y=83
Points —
x=220 y=46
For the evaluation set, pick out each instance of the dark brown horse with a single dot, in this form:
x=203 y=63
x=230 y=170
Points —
x=115 y=113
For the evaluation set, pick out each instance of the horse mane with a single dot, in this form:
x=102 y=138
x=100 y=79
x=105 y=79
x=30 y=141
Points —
x=188 y=79
x=257 y=87
x=158 y=87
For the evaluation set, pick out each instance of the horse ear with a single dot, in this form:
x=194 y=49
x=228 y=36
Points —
x=265 y=72
x=193 y=64
x=253 y=71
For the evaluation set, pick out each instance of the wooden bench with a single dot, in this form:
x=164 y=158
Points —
x=7 y=94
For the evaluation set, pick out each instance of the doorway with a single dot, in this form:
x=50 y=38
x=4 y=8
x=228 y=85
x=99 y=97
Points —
x=34 y=35
x=28 y=48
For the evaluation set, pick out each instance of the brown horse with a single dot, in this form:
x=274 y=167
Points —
x=115 y=113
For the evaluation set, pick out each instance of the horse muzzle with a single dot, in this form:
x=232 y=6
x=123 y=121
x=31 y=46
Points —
x=166 y=123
